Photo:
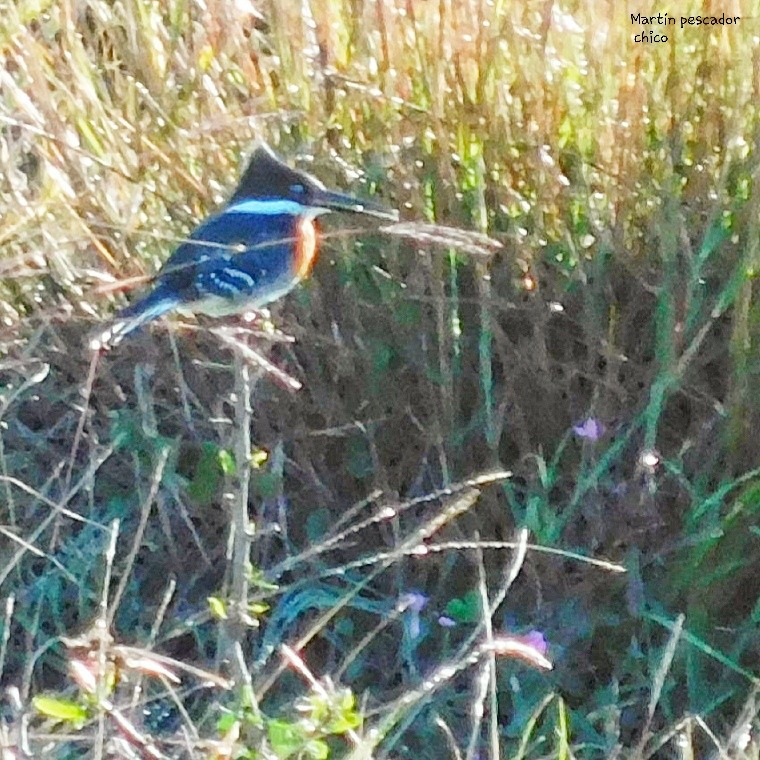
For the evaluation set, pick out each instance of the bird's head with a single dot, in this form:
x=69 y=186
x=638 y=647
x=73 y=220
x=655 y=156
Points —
x=269 y=179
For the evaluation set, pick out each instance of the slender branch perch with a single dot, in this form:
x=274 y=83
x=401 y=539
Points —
x=236 y=625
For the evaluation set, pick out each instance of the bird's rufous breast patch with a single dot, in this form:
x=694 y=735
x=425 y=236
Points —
x=306 y=247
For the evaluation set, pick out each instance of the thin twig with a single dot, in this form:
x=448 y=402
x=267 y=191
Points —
x=236 y=625
x=10 y=603
x=94 y=358
x=145 y=510
x=102 y=629
x=243 y=352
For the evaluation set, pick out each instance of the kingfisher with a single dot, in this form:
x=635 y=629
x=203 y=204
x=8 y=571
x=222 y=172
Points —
x=260 y=245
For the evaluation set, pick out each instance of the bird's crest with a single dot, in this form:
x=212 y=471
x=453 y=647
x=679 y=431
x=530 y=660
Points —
x=266 y=176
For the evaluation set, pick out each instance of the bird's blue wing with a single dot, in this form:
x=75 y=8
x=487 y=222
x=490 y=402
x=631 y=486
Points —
x=233 y=256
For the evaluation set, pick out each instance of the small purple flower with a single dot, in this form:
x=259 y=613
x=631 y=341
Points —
x=590 y=429
x=413 y=603
x=530 y=647
x=537 y=640
x=446 y=622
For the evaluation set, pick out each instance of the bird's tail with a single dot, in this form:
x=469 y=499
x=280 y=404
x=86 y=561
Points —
x=133 y=317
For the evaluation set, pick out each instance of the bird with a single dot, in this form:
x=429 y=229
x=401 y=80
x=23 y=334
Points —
x=255 y=250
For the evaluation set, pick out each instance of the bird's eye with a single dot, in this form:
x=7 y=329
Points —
x=297 y=189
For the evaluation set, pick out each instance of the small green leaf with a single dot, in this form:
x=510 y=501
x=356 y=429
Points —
x=317 y=750
x=60 y=709
x=347 y=717
x=226 y=722
x=258 y=608
x=218 y=607
x=227 y=461
x=207 y=478
x=206 y=57
x=347 y=701
x=465 y=609
x=90 y=136
x=259 y=458
x=257 y=578
x=286 y=738
x=340 y=724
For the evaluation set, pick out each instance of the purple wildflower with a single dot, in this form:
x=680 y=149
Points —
x=414 y=603
x=537 y=640
x=590 y=429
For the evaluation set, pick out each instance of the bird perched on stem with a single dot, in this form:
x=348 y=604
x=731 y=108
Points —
x=254 y=251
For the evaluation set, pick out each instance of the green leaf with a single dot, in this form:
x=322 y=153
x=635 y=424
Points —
x=226 y=722
x=259 y=457
x=207 y=478
x=317 y=749
x=218 y=607
x=344 y=722
x=257 y=578
x=347 y=701
x=60 y=709
x=226 y=461
x=465 y=609
x=286 y=738
x=256 y=609
x=90 y=136
x=205 y=58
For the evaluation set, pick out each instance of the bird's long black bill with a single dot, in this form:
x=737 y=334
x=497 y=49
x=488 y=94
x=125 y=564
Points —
x=334 y=201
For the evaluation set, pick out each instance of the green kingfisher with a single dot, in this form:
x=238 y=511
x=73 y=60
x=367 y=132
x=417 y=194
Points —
x=260 y=245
